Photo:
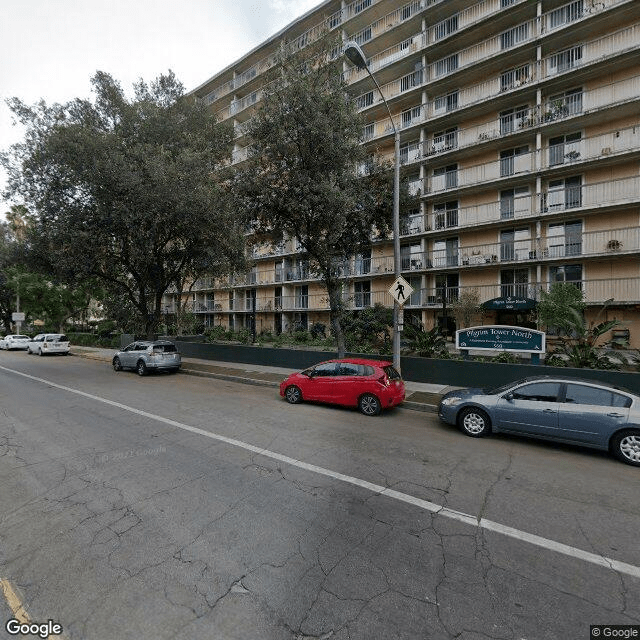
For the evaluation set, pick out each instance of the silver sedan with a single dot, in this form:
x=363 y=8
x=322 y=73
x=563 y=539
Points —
x=569 y=410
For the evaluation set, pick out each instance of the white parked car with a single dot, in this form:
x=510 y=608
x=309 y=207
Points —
x=13 y=341
x=45 y=343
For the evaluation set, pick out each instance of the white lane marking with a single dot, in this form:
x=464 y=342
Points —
x=483 y=523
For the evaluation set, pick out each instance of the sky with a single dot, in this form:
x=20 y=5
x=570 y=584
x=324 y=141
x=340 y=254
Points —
x=50 y=49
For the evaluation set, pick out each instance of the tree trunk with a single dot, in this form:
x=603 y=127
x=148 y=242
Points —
x=335 y=311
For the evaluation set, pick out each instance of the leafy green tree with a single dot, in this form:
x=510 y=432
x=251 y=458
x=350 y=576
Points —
x=368 y=329
x=302 y=180
x=129 y=192
x=557 y=306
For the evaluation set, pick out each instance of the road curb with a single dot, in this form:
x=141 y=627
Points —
x=407 y=404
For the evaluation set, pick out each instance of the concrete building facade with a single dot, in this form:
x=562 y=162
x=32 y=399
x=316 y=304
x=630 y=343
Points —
x=520 y=133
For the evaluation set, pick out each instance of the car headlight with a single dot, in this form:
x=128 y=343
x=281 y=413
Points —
x=451 y=401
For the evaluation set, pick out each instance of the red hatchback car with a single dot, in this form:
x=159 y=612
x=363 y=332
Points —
x=370 y=385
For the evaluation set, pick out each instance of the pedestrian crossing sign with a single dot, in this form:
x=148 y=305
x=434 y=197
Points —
x=400 y=290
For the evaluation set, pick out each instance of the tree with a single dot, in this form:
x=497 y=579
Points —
x=466 y=308
x=131 y=192
x=11 y=256
x=301 y=180
x=557 y=306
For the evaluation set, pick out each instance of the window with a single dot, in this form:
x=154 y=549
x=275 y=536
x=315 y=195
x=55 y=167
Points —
x=514 y=244
x=569 y=13
x=514 y=78
x=583 y=394
x=446 y=288
x=277 y=298
x=448 y=102
x=514 y=161
x=571 y=273
x=415 y=299
x=411 y=222
x=411 y=116
x=411 y=80
x=362 y=294
x=302 y=296
x=564 y=148
x=514 y=36
x=363 y=36
x=365 y=100
x=445 y=253
x=446 y=27
x=445 y=140
x=513 y=119
x=326 y=370
x=564 y=194
x=446 y=65
x=445 y=177
x=411 y=257
x=368 y=131
x=565 y=60
x=361 y=6
x=568 y=103
x=335 y=20
x=362 y=264
x=445 y=214
x=507 y=3
x=512 y=200
x=514 y=283
x=538 y=392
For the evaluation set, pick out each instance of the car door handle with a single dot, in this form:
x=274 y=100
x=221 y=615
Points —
x=615 y=415
x=549 y=411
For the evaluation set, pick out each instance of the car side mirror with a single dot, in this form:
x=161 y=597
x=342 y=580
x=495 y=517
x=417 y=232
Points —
x=509 y=397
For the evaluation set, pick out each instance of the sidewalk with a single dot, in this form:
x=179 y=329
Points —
x=420 y=396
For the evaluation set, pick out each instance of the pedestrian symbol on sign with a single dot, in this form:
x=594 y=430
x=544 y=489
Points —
x=401 y=290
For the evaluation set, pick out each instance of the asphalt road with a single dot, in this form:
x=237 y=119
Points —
x=174 y=506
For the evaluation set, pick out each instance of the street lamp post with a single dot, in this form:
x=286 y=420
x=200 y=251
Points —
x=355 y=55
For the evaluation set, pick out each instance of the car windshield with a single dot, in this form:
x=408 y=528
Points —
x=392 y=373
x=496 y=390
x=164 y=348
x=20 y=337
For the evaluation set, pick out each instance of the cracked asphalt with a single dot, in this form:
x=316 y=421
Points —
x=120 y=525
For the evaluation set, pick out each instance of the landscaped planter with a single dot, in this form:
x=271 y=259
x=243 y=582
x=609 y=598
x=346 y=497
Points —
x=458 y=373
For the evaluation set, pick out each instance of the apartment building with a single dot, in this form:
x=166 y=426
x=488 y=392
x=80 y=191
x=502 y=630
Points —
x=520 y=133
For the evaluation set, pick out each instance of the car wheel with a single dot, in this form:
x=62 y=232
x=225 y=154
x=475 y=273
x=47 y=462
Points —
x=369 y=405
x=40 y=352
x=293 y=394
x=626 y=446
x=141 y=368
x=117 y=365
x=474 y=422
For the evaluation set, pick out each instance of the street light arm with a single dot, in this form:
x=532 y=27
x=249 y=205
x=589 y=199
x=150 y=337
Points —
x=355 y=54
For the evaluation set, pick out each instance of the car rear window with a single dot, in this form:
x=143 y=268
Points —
x=164 y=348
x=391 y=372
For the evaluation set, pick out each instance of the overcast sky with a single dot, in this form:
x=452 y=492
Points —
x=51 y=48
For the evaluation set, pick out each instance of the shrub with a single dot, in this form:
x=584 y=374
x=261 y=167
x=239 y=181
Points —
x=506 y=357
